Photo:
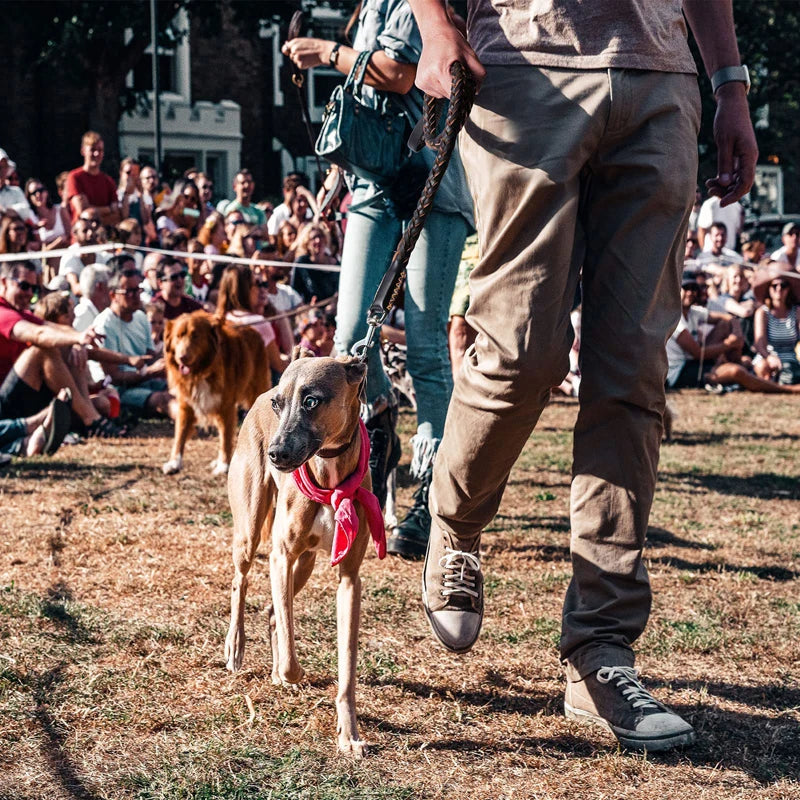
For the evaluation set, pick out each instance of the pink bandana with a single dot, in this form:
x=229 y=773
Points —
x=344 y=510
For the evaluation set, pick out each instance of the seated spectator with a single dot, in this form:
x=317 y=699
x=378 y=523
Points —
x=15 y=235
x=310 y=331
x=172 y=282
x=280 y=297
x=788 y=254
x=126 y=328
x=212 y=233
x=690 y=353
x=285 y=240
x=753 y=251
x=84 y=234
x=150 y=268
x=775 y=325
x=303 y=206
x=32 y=367
x=130 y=234
x=238 y=297
x=233 y=221
x=94 y=296
x=180 y=209
x=718 y=253
x=314 y=284
x=737 y=299
x=12 y=198
x=237 y=244
x=283 y=211
x=90 y=188
x=155 y=313
x=197 y=285
x=52 y=222
x=41 y=433
x=243 y=187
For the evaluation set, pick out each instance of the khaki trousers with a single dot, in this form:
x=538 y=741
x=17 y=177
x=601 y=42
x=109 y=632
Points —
x=570 y=171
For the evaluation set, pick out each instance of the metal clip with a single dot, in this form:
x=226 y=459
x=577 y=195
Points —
x=361 y=348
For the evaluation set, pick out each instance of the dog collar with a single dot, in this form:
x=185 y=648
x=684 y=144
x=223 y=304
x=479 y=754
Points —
x=342 y=498
x=339 y=451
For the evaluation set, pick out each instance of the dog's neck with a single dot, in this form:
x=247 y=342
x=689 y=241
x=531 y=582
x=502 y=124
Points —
x=330 y=466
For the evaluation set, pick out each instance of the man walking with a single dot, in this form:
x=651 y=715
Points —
x=581 y=155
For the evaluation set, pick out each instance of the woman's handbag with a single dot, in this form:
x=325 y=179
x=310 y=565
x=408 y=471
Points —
x=368 y=141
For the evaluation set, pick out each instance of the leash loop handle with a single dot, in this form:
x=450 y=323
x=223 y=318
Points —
x=462 y=94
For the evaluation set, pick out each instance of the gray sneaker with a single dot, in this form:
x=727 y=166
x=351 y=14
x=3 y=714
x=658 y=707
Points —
x=614 y=698
x=452 y=590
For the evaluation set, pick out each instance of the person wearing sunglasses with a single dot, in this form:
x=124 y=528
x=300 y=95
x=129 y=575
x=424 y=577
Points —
x=33 y=369
x=51 y=219
x=776 y=325
x=142 y=386
x=172 y=289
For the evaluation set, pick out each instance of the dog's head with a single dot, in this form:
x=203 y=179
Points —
x=317 y=403
x=191 y=343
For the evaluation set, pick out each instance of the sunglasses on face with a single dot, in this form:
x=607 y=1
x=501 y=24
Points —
x=37 y=190
x=263 y=284
x=781 y=285
x=692 y=287
x=25 y=286
x=235 y=222
x=178 y=276
x=130 y=273
x=133 y=292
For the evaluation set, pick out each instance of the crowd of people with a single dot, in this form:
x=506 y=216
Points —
x=738 y=328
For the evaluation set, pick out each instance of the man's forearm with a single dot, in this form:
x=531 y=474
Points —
x=430 y=15
x=711 y=22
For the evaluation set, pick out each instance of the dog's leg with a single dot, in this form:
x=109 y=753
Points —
x=348 y=617
x=226 y=423
x=184 y=425
x=303 y=568
x=251 y=499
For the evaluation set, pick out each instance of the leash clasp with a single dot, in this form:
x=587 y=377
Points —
x=361 y=348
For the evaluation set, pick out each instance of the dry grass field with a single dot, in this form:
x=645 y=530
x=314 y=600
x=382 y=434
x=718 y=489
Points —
x=114 y=602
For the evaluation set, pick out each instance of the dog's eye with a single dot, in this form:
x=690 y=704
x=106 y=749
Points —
x=276 y=406
x=310 y=403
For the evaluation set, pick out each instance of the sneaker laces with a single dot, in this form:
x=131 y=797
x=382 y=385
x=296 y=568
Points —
x=460 y=570
x=627 y=681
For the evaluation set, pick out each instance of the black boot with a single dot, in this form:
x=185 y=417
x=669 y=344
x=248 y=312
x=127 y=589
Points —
x=384 y=450
x=409 y=539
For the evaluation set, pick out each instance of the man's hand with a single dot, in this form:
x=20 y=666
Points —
x=154 y=370
x=91 y=338
x=736 y=145
x=442 y=47
x=137 y=362
x=306 y=52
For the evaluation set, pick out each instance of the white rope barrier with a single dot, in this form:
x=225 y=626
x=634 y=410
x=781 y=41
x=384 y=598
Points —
x=38 y=255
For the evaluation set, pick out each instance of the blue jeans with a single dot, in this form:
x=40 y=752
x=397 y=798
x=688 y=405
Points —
x=373 y=233
x=12 y=435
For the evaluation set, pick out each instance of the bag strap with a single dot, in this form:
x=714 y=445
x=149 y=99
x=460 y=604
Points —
x=358 y=71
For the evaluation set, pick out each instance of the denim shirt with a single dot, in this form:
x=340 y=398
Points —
x=390 y=26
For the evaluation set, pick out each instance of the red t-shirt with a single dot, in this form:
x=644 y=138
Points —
x=100 y=189
x=186 y=306
x=10 y=348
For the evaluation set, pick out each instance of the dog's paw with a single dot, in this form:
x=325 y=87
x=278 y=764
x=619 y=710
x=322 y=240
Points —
x=288 y=677
x=172 y=466
x=357 y=748
x=219 y=467
x=234 y=651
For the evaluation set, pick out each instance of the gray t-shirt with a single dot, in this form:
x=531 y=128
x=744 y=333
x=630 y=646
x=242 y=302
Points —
x=132 y=338
x=389 y=25
x=581 y=34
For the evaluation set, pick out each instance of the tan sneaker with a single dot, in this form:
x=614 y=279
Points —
x=452 y=589
x=614 y=698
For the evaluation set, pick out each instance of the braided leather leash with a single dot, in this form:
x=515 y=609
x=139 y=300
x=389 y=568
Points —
x=298 y=79
x=462 y=93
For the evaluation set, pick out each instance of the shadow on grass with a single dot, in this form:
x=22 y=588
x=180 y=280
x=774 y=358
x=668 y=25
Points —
x=765 y=573
x=761 y=485
x=54 y=752
x=40 y=469
x=659 y=537
x=694 y=438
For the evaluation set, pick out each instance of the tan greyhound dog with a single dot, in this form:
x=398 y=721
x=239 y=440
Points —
x=305 y=433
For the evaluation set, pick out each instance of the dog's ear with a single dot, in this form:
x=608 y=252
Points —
x=355 y=371
x=301 y=352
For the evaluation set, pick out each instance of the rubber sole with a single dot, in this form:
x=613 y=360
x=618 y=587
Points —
x=629 y=739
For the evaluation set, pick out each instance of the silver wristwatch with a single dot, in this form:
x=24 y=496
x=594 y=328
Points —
x=730 y=74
